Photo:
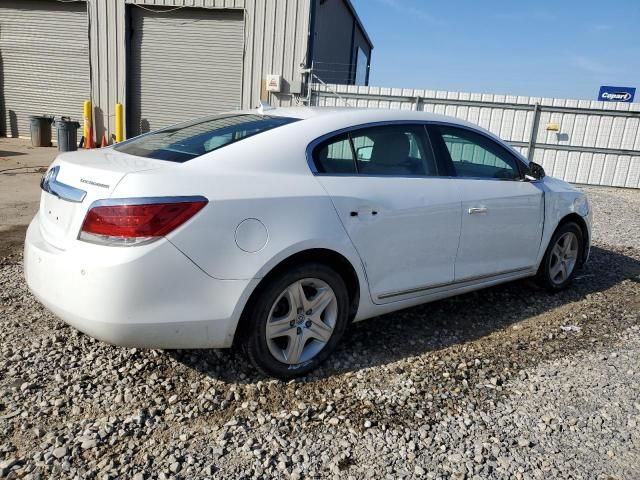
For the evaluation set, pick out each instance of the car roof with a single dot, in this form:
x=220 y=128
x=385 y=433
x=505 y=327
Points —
x=356 y=115
x=329 y=116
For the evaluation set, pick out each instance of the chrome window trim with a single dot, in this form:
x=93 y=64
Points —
x=425 y=123
x=50 y=184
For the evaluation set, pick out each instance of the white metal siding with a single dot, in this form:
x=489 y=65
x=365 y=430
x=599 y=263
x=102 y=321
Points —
x=276 y=43
x=267 y=49
x=183 y=64
x=44 y=62
x=192 y=3
x=598 y=143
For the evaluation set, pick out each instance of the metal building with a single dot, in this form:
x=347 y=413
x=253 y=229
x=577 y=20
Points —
x=169 y=60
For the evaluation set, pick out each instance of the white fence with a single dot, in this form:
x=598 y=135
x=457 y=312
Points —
x=598 y=143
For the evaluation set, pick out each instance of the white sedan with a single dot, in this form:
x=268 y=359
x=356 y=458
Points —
x=274 y=229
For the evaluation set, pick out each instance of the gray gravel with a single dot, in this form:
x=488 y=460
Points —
x=510 y=382
x=617 y=213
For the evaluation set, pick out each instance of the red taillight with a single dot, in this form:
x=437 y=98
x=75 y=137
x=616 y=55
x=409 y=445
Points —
x=133 y=223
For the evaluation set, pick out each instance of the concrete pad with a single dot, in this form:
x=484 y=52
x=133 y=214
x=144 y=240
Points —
x=21 y=167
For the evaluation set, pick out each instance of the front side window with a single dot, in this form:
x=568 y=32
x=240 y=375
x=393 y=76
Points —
x=189 y=140
x=473 y=155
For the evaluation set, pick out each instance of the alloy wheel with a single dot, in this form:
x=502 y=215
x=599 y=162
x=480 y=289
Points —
x=301 y=321
x=563 y=258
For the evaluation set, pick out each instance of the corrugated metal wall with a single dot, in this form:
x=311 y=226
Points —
x=107 y=50
x=275 y=42
x=44 y=69
x=598 y=143
x=206 y=43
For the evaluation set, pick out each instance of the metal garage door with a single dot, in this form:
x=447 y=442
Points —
x=182 y=65
x=44 y=61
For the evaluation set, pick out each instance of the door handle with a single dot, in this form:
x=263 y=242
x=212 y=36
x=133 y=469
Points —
x=474 y=210
x=363 y=212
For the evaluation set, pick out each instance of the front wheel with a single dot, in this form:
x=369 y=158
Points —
x=562 y=257
x=296 y=321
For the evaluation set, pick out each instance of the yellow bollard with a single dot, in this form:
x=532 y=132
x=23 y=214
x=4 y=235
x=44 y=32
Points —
x=88 y=130
x=119 y=123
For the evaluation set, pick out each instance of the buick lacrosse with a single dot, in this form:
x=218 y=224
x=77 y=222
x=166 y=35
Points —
x=273 y=229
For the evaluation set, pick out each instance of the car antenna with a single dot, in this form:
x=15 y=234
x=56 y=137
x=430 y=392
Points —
x=264 y=107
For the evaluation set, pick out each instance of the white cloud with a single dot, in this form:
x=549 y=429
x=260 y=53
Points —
x=602 y=27
x=589 y=64
x=405 y=7
x=524 y=16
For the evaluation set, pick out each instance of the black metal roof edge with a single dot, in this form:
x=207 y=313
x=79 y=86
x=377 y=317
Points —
x=359 y=22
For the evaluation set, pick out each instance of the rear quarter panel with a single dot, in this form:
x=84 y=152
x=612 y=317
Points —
x=258 y=178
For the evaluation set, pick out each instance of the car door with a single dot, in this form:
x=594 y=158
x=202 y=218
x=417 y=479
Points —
x=402 y=218
x=502 y=213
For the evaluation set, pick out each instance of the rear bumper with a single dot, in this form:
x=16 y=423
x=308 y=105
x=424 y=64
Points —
x=148 y=296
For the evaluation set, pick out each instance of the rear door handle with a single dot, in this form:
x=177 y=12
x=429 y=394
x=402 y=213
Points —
x=363 y=212
x=475 y=210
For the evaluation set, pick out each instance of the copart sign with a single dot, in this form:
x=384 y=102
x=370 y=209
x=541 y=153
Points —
x=616 y=94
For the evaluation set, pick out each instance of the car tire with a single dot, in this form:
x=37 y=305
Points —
x=284 y=337
x=562 y=258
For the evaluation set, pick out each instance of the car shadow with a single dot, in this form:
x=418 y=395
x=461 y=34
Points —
x=9 y=153
x=436 y=325
x=11 y=240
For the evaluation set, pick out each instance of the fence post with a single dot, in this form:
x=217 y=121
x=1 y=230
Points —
x=534 y=131
x=310 y=85
x=417 y=103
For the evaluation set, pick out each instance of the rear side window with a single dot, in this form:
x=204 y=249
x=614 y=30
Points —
x=335 y=156
x=390 y=150
x=189 y=140
x=397 y=150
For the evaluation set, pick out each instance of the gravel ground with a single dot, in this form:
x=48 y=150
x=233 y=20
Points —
x=485 y=385
x=617 y=213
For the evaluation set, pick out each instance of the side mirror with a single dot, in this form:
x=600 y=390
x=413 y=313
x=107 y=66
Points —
x=535 y=171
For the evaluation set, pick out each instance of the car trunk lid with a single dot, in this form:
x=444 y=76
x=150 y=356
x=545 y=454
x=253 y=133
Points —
x=74 y=181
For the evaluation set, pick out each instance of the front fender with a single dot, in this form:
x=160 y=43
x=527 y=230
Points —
x=561 y=200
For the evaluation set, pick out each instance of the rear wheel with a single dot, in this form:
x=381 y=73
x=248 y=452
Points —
x=297 y=321
x=562 y=257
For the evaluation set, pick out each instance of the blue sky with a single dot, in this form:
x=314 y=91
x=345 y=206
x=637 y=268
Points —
x=562 y=48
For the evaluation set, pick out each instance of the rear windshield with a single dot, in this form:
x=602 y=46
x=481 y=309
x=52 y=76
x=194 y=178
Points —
x=189 y=140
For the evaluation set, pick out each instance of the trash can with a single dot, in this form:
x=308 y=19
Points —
x=67 y=134
x=41 y=130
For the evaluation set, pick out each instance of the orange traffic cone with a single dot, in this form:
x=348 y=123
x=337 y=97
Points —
x=90 y=143
x=104 y=142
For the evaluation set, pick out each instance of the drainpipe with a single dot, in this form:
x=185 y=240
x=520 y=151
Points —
x=534 y=131
x=311 y=33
